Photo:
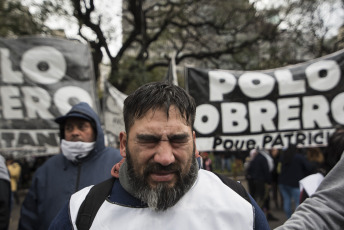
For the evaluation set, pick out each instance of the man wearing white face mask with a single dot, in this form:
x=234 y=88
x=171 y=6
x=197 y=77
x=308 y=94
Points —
x=84 y=161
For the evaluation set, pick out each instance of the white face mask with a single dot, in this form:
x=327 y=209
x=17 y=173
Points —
x=75 y=151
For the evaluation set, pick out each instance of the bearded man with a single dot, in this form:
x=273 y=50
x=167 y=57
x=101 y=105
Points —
x=159 y=183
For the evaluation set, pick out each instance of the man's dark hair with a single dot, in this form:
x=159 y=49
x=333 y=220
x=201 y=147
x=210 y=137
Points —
x=157 y=95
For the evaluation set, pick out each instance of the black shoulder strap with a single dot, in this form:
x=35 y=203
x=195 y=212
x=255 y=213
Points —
x=92 y=203
x=236 y=186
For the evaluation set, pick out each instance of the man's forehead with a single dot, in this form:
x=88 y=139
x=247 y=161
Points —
x=75 y=120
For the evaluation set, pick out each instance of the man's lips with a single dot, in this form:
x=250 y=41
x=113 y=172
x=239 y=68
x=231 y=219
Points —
x=162 y=176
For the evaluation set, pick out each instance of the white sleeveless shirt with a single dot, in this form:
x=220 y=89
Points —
x=209 y=204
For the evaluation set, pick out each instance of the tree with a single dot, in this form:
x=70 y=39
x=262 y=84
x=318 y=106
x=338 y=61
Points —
x=207 y=33
x=16 y=20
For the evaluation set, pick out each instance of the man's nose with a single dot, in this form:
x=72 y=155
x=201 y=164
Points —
x=164 y=153
x=75 y=131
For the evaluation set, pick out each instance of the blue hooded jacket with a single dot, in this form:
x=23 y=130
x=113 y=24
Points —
x=57 y=179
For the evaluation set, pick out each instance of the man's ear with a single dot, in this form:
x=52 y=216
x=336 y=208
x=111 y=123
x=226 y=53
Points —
x=123 y=144
x=194 y=140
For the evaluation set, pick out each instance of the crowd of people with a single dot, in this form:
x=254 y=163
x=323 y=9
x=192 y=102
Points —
x=282 y=177
x=158 y=176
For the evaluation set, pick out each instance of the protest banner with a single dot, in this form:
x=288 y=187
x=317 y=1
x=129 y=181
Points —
x=242 y=110
x=113 y=102
x=41 y=78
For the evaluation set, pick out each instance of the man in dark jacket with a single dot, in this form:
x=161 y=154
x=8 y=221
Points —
x=84 y=161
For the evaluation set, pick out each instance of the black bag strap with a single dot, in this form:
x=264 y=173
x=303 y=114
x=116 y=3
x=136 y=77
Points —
x=235 y=186
x=98 y=193
x=92 y=203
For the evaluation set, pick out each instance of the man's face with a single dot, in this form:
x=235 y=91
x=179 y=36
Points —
x=160 y=156
x=78 y=129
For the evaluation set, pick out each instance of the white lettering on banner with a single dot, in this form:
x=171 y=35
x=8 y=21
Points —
x=315 y=111
x=261 y=115
x=37 y=101
x=234 y=113
x=42 y=65
x=286 y=84
x=289 y=110
x=25 y=140
x=323 y=75
x=315 y=114
x=337 y=108
x=207 y=118
x=63 y=96
x=220 y=83
x=8 y=75
x=308 y=138
x=256 y=85
x=48 y=66
x=12 y=138
x=10 y=101
x=270 y=107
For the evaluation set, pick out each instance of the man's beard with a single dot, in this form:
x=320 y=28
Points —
x=163 y=196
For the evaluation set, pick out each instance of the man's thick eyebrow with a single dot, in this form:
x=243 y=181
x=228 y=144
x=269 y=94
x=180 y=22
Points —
x=178 y=136
x=147 y=137
x=158 y=137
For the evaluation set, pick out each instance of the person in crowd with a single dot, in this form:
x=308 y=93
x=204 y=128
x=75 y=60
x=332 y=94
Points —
x=5 y=195
x=316 y=157
x=159 y=183
x=207 y=162
x=294 y=167
x=84 y=161
x=275 y=154
x=258 y=175
x=332 y=155
x=226 y=161
x=15 y=172
x=324 y=209
x=217 y=160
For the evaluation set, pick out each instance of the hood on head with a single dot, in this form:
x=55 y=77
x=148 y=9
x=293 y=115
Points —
x=83 y=110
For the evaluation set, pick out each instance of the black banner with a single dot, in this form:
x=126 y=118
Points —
x=40 y=79
x=241 y=110
x=113 y=102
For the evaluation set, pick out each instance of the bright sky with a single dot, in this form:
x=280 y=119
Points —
x=111 y=11
x=333 y=19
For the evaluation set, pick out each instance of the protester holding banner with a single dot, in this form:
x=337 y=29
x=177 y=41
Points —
x=84 y=161
x=159 y=184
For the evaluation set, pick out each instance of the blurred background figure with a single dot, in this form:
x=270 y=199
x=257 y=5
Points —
x=275 y=155
x=207 y=163
x=258 y=174
x=316 y=157
x=324 y=162
x=293 y=167
x=15 y=171
x=5 y=195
